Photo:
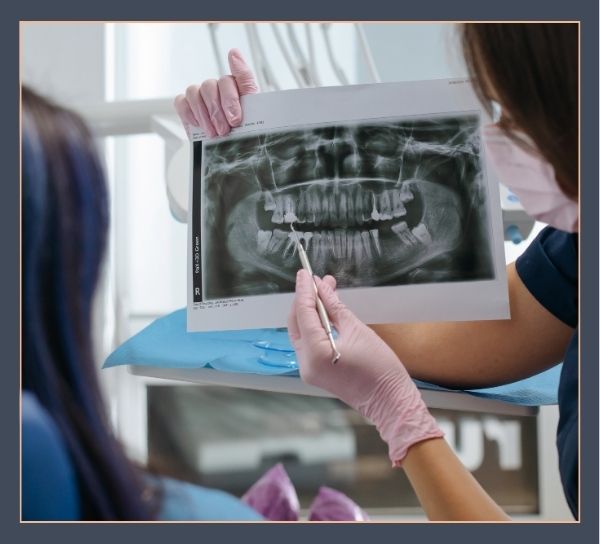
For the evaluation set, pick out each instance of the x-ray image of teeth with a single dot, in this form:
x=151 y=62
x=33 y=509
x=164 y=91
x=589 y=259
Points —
x=375 y=203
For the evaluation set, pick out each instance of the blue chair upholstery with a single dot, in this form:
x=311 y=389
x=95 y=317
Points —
x=50 y=489
x=49 y=482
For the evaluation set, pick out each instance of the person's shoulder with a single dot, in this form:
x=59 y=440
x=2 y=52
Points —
x=549 y=268
x=560 y=243
x=49 y=480
x=553 y=250
x=185 y=501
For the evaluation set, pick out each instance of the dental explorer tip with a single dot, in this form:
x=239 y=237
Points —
x=336 y=357
x=295 y=235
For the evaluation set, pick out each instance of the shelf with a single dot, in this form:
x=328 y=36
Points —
x=447 y=400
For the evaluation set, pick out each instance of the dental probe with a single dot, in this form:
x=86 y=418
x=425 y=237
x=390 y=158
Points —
x=320 y=307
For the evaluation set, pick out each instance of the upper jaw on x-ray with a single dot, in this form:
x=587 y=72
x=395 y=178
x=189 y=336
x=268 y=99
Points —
x=370 y=202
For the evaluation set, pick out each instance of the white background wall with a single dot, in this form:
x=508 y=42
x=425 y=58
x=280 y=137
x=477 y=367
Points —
x=417 y=51
x=64 y=60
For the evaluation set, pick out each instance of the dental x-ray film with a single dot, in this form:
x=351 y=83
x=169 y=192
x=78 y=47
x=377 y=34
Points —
x=387 y=188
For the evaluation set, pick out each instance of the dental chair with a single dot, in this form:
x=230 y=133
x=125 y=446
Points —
x=49 y=485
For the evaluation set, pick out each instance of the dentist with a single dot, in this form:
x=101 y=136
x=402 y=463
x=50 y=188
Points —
x=530 y=71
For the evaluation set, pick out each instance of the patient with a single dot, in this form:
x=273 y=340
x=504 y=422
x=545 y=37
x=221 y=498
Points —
x=73 y=466
x=65 y=423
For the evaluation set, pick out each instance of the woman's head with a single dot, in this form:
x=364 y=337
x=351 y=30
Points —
x=531 y=70
x=65 y=223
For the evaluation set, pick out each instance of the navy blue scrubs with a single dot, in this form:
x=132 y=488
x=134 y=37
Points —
x=549 y=270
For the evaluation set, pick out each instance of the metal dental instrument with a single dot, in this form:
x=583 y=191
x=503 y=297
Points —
x=320 y=308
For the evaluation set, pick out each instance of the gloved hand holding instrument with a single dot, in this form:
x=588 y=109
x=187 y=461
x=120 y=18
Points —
x=370 y=378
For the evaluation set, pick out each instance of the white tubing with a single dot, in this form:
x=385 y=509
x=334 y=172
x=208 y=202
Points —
x=262 y=84
x=339 y=73
x=362 y=39
x=312 y=61
x=268 y=76
x=286 y=55
x=302 y=62
x=212 y=29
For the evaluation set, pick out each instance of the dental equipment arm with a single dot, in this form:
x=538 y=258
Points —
x=372 y=380
x=482 y=353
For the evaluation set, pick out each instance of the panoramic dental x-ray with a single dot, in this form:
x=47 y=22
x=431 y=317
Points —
x=385 y=203
x=385 y=186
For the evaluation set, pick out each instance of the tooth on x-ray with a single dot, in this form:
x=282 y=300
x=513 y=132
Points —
x=269 y=201
x=290 y=247
x=262 y=240
x=370 y=201
x=420 y=231
x=398 y=209
x=375 y=239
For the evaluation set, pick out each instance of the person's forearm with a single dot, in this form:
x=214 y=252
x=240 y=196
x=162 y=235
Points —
x=445 y=488
x=482 y=353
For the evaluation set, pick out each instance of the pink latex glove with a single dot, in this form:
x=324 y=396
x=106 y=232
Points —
x=214 y=106
x=369 y=376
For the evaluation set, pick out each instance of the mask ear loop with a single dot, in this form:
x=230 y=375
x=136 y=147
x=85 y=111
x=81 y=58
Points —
x=496 y=111
x=500 y=118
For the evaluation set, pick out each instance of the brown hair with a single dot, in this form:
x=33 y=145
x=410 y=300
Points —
x=531 y=70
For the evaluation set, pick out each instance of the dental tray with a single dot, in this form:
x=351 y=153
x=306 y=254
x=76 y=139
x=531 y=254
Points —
x=165 y=344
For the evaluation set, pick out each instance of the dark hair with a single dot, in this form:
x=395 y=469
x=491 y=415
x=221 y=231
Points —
x=65 y=223
x=531 y=70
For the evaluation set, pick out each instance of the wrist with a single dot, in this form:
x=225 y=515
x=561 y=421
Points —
x=400 y=452
x=400 y=415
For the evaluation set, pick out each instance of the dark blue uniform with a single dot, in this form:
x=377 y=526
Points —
x=549 y=270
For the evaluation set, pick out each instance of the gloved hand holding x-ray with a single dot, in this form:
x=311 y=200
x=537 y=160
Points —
x=385 y=186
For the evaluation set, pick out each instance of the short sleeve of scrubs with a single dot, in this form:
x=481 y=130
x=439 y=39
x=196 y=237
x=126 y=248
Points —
x=549 y=270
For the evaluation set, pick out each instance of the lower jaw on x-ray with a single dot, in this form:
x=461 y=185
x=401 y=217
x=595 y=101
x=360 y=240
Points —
x=374 y=203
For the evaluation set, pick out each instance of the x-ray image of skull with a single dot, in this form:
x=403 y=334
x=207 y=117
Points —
x=374 y=203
